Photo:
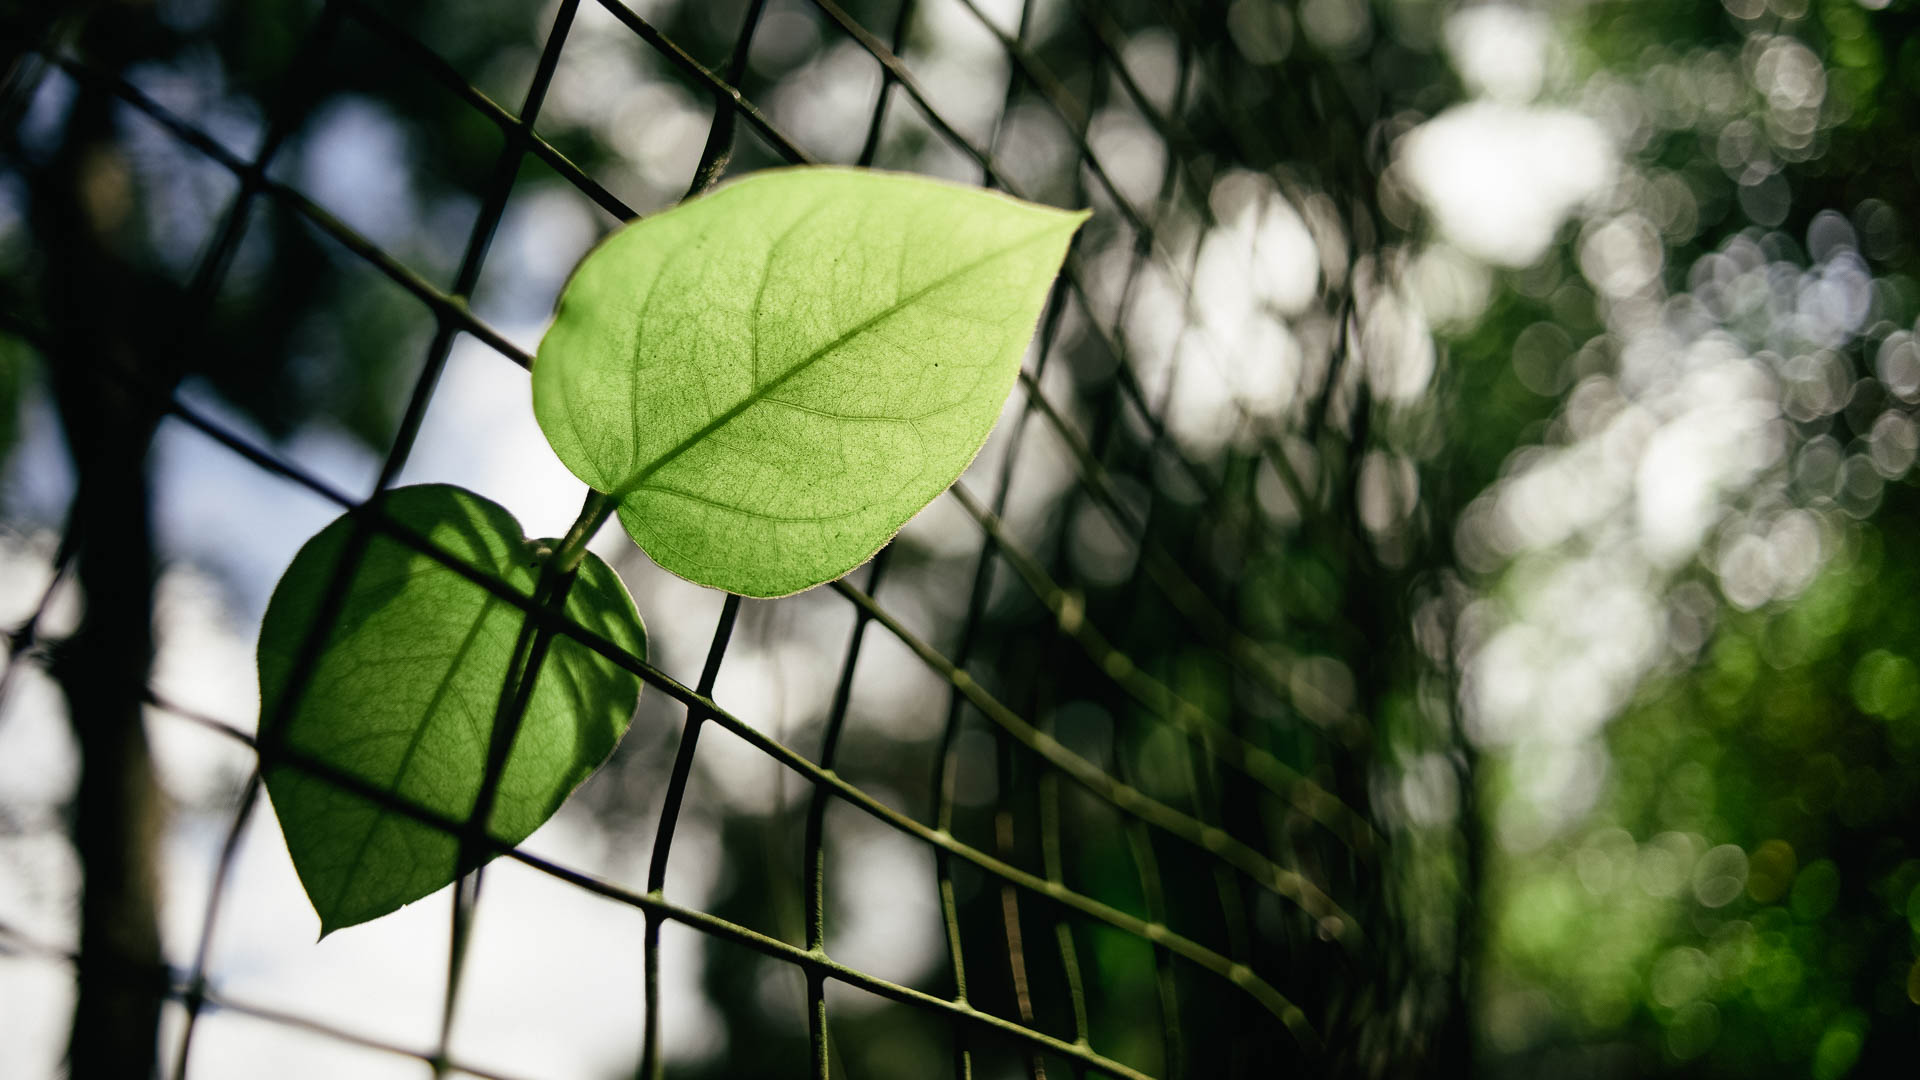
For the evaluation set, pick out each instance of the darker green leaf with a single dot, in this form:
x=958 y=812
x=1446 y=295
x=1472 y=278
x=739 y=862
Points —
x=405 y=693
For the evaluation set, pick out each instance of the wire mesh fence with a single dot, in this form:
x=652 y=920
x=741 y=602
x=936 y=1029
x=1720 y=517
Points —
x=1209 y=890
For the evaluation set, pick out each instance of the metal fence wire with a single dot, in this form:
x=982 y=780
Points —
x=1262 y=882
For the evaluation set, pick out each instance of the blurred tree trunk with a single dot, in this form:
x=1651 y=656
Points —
x=100 y=350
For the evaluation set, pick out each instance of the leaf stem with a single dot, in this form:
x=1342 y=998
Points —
x=529 y=654
x=573 y=547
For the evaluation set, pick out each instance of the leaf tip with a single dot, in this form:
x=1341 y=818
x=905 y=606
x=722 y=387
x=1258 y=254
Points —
x=331 y=925
x=1071 y=221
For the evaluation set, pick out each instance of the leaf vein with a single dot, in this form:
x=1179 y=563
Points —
x=642 y=475
x=721 y=504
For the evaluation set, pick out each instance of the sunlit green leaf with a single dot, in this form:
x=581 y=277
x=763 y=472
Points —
x=405 y=692
x=773 y=378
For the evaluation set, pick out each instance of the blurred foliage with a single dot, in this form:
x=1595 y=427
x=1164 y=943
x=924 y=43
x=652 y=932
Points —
x=1742 y=900
x=1738 y=901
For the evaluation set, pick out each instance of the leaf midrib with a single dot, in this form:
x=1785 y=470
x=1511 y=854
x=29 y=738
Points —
x=417 y=736
x=759 y=393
